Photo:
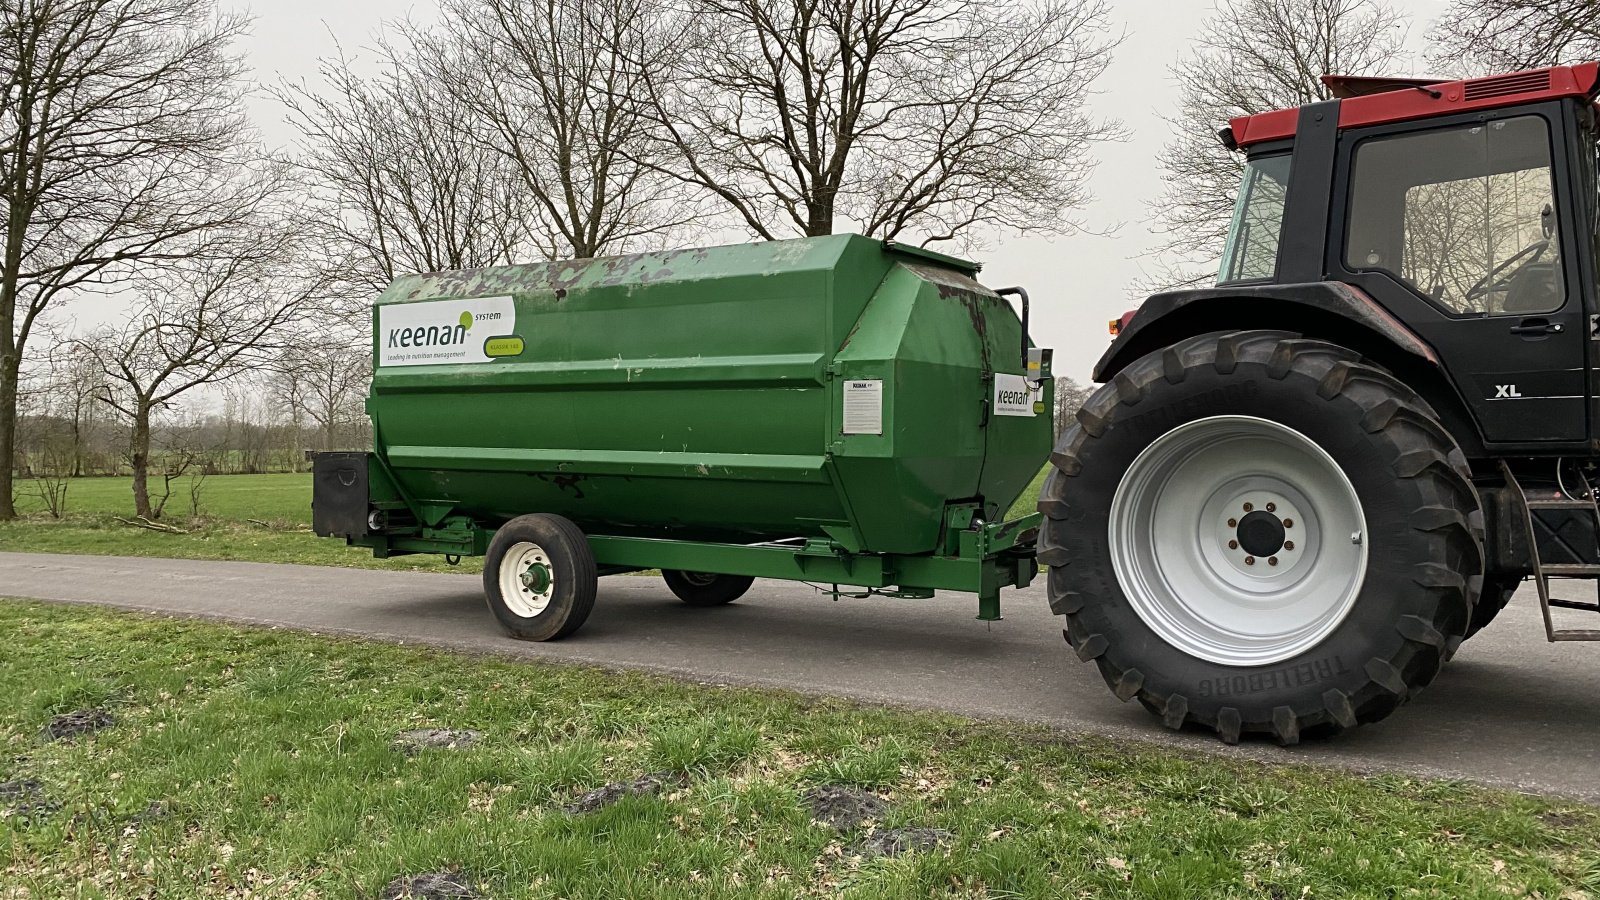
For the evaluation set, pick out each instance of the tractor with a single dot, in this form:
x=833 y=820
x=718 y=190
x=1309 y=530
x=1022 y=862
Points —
x=1296 y=493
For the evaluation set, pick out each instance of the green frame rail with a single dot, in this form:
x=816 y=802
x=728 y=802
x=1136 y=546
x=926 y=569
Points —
x=987 y=558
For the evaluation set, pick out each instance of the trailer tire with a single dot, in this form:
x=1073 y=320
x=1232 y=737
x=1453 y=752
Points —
x=706 y=588
x=539 y=577
x=1371 y=451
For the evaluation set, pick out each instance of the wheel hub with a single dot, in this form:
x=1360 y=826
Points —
x=1228 y=539
x=527 y=579
x=1261 y=533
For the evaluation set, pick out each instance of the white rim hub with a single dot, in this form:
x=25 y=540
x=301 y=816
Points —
x=1238 y=540
x=527 y=580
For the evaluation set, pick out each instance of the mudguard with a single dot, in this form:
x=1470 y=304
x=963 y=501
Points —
x=1327 y=309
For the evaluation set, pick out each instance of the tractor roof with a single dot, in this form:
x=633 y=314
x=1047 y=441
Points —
x=1375 y=101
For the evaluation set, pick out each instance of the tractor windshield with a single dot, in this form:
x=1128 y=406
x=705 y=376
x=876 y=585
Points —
x=1465 y=216
x=1251 y=253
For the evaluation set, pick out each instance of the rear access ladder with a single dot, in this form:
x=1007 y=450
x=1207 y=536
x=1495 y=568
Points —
x=1585 y=560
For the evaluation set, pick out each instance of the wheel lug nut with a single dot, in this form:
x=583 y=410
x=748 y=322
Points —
x=1248 y=507
x=1288 y=523
x=1288 y=545
x=1249 y=560
x=1272 y=507
x=1233 y=545
x=1233 y=523
x=1272 y=560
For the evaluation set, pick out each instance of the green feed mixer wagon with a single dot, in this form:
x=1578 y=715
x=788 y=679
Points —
x=842 y=411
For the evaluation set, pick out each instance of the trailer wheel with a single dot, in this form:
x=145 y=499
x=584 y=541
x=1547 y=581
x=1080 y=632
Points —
x=1256 y=533
x=706 y=588
x=539 y=577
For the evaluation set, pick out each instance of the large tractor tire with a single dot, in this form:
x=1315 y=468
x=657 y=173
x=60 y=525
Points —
x=1256 y=533
x=1497 y=591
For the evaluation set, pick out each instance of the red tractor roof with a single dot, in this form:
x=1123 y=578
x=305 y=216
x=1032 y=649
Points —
x=1374 y=101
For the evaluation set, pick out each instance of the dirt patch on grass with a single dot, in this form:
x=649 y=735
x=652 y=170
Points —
x=1562 y=821
x=413 y=742
x=77 y=723
x=430 y=886
x=607 y=794
x=844 y=808
x=24 y=798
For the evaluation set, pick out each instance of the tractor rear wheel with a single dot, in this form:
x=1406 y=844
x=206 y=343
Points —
x=1497 y=591
x=1256 y=533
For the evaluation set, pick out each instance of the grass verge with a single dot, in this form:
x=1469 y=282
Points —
x=258 y=763
x=254 y=518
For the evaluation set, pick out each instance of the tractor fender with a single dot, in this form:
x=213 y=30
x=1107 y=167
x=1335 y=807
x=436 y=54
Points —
x=1325 y=310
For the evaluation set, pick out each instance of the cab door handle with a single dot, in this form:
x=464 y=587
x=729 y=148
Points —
x=1536 y=326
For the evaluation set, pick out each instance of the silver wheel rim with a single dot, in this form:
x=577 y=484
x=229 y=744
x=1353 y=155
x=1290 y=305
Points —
x=1188 y=568
x=699 y=579
x=527 y=580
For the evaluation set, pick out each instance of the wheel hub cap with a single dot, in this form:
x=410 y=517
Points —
x=1235 y=539
x=1261 y=533
x=536 y=578
x=527 y=581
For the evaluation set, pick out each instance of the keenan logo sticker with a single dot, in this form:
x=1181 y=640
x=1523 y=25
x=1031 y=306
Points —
x=441 y=332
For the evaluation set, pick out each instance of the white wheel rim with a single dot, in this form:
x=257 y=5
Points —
x=1188 y=568
x=527 y=580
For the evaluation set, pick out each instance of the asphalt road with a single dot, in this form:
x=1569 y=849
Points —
x=1511 y=710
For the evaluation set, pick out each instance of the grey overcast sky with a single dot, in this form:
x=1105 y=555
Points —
x=1077 y=282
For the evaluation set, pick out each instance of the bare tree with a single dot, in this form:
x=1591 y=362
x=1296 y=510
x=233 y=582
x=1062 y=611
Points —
x=1251 y=56
x=1070 y=395
x=324 y=379
x=927 y=119
x=564 y=108
x=401 y=183
x=1510 y=35
x=201 y=324
x=116 y=117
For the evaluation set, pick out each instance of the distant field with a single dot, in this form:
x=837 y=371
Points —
x=281 y=498
x=279 y=505
x=255 y=518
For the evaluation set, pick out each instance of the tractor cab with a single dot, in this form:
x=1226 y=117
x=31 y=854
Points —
x=1467 y=211
x=1310 y=483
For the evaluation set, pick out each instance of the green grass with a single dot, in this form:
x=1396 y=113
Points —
x=271 y=753
x=280 y=506
x=280 y=498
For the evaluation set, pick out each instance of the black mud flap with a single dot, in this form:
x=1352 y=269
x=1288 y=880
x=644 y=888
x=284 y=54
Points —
x=339 y=496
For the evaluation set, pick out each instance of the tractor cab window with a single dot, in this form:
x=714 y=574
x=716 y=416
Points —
x=1465 y=216
x=1251 y=253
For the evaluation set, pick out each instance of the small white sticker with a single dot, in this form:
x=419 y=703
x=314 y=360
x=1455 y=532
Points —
x=1012 y=396
x=863 y=407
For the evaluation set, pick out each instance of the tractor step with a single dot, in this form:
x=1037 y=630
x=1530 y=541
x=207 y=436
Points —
x=1583 y=570
x=1583 y=514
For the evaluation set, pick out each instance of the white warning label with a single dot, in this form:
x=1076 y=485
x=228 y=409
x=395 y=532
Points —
x=863 y=407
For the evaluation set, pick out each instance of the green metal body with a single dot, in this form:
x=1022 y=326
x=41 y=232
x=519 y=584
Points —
x=681 y=407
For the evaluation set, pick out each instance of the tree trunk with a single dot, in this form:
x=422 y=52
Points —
x=8 y=438
x=139 y=455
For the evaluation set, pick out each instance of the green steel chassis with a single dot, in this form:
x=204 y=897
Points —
x=977 y=557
